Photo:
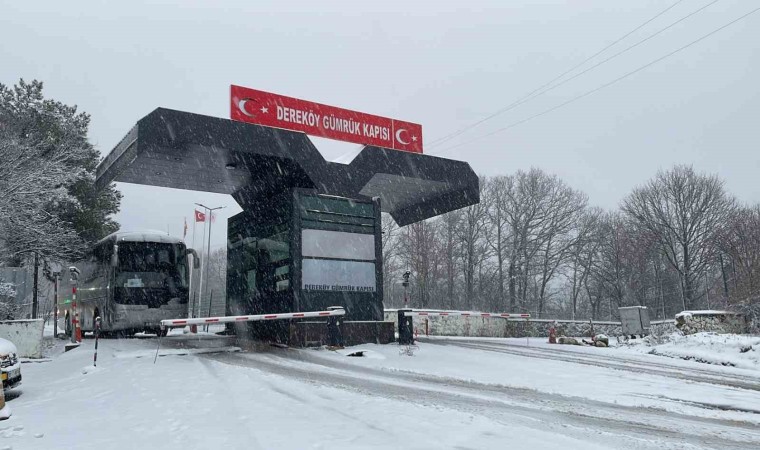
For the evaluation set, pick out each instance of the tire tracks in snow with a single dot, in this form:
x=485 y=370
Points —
x=622 y=426
x=614 y=362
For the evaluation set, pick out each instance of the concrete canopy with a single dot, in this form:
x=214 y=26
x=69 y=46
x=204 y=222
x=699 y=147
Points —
x=182 y=150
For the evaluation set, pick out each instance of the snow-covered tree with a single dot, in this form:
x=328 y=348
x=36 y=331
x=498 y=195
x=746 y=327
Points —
x=7 y=300
x=47 y=172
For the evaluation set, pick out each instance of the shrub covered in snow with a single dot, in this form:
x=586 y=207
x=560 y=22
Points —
x=711 y=348
x=691 y=322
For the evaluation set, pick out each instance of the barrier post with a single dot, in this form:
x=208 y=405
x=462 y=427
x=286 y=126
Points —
x=97 y=334
x=76 y=332
x=334 y=332
x=405 y=328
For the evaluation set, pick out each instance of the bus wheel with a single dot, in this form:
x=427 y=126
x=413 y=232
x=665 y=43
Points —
x=163 y=332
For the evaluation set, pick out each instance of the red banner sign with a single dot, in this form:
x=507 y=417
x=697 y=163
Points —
x=316 y=119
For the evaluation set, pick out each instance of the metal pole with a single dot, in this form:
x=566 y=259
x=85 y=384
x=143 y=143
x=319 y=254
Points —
x=34 y=295
x=191 y=302
x=97 y=334
x=72 y=313
x=55 y=308
x=210 y=211
x=200 y=276
x=208 y=255
x=210 y=299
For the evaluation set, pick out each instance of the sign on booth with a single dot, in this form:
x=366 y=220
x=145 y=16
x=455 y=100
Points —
x=316 y=119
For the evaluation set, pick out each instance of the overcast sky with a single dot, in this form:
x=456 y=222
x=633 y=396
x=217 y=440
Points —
x=442 y=64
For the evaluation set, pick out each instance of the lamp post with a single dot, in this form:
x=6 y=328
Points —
x=209 y=212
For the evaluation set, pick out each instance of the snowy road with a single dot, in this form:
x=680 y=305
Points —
x=689 y=371
x=453 y=393
x=607 y=424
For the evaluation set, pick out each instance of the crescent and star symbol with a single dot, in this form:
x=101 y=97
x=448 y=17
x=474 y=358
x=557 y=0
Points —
x=244 y=110
x=242 y=106
x=401 y=140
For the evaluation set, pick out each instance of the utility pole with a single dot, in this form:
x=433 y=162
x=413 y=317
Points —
x=35 y=302
x=209 y=212
x=55 y=306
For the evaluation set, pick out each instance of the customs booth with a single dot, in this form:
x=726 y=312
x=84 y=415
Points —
x=309 y=235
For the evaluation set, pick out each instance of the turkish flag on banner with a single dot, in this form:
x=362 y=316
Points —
x=199 y=216
x=316 y=119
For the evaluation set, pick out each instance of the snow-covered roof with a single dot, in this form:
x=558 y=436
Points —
x=181 y=150
x=143 y=236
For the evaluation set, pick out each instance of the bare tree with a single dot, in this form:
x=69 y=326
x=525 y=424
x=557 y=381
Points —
x=685 y=211
x=390 y=246
x=741 y=244
x=585 y=247
x=471 y=234
x=417 y=249
x=564 y=208
x=447 y=230
x=499 y=231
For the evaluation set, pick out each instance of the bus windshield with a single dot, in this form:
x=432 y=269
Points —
x=151 y=265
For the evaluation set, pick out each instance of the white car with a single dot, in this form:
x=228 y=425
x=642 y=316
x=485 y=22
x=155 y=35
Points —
x=10 y=367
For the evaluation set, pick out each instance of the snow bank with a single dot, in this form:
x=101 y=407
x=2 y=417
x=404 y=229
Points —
x=690 y=322
x=720 y=349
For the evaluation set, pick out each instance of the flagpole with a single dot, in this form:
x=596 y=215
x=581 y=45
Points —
x=203 y=264
x=204 y=260
x=190 y=306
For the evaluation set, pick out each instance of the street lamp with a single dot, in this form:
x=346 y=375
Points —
x=209 y=212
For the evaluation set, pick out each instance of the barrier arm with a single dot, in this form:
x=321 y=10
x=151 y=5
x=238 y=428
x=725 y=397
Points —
x=170 y=323
x=465 y=314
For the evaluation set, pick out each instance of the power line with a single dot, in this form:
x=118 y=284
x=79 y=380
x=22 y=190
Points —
x=631 y=47
x=475 y=124
x=585 y=94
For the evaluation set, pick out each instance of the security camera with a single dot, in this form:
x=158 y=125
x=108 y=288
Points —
x=74 y=273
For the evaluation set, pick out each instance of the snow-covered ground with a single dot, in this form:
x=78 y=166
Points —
x=710 y=348
x=453 y=393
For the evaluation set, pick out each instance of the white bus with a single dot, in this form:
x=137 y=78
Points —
x=131 y=280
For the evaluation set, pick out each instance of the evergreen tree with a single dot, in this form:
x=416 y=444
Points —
x=47 y=174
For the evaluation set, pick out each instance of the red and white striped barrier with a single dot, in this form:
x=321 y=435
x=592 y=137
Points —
x=227 y=319
x=465 y=314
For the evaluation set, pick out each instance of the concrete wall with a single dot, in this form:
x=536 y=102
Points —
x=25 y=334
x=498 y=327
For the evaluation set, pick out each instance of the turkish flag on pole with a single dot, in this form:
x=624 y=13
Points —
x=199 y=216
